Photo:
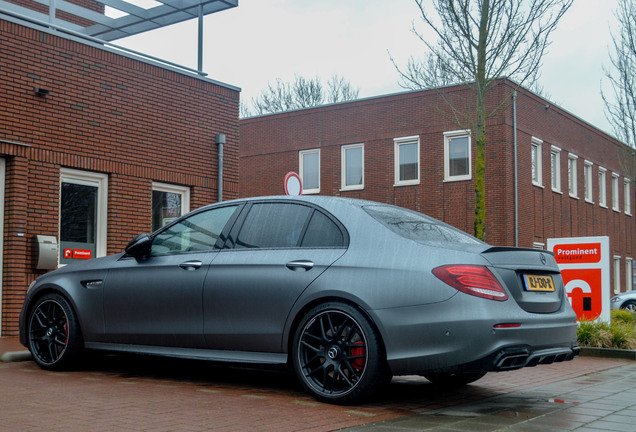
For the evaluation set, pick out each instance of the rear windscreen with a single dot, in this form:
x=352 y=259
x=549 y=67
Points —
x=418 y=227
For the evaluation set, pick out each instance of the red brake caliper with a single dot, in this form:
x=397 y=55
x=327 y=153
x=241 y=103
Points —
x=358 y=363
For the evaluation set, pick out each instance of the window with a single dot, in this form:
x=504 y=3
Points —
x=168 y=203
x=538 y=245
x=629 y=274
x=617 y=274
x=83 y=210
x=407 y=160
x=286 y=228
x=602 y=187
x=352 y=168
x=572 y=175
x=555 y=168
x=587 y=181
x=615 y=199
x=198 y=233
x=310 y=171
x=457 y=157
x=628 y=197
x=537 y=175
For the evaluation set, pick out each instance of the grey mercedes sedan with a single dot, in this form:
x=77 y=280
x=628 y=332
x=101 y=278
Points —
x=345 y=292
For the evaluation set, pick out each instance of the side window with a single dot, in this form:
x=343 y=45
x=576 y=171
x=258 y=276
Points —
x=198 y=233
x=322 y=232
x=273 y=225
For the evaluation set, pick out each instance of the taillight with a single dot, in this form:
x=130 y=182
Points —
x=472 y=279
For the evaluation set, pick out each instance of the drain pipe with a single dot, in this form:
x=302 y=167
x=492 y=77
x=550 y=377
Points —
x=220 y=140
x=514 y=140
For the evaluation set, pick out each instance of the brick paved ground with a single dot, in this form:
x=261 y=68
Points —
x=120 y=393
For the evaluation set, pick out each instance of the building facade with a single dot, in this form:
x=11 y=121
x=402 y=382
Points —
x=96 y=146
x=408 y=149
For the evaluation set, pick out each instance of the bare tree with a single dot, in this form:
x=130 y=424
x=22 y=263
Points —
x=477 y=42
x=620 y=105
x=301 y=93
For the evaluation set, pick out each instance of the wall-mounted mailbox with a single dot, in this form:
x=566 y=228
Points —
x=47 y=252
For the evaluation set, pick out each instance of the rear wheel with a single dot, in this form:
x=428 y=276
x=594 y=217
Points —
x=630 y=306
x=53 y=333
x=454 y=379
x=338 y=356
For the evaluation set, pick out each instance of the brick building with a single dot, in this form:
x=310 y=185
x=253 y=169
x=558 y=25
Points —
x=97 y=145
x=404 y=149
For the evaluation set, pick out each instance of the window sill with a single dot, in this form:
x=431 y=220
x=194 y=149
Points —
x=557 y=191
x=352 y=188
x=409 y=183
x=457 y=179
x=539 y=185
x=311 y=192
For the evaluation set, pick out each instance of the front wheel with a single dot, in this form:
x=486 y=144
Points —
x=338 y=356
x=53 y=333
x=629 y=306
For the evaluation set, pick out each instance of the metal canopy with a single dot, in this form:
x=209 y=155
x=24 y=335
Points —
x=122 y=18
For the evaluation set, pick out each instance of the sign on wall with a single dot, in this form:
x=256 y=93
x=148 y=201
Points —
x=585 y=265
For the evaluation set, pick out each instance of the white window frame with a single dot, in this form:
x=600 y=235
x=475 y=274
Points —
x=602 y=187
x=397 y=142
x=184 y=191
x=448 y=136
x=617 y=274
x=99 y=180
x=629 y=275
x=538 y=245
x=536 y=162
x=573 y=175
x=628 y=197
x=343 y=167
x=301 y=170
x=616 y=204
x=555 y=168
x=588 y=175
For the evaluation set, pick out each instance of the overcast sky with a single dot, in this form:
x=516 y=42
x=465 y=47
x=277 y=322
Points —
x=261 y=40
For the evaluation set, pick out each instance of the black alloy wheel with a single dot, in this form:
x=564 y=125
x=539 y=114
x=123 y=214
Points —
x=630 y=306
x=54 y=339
x=338 y=356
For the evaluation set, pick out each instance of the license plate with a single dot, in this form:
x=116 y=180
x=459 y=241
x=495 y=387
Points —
x=538 y=283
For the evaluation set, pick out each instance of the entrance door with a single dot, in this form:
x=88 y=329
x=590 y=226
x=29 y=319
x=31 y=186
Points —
x=82 y=215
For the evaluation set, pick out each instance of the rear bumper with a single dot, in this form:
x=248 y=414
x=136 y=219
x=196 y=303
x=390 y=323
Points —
x=512 y=358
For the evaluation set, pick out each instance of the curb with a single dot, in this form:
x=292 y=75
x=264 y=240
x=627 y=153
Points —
x=15 y=356
x=608 y=353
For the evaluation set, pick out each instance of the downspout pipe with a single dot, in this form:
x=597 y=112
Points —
x=514 y=141
x=220 y=141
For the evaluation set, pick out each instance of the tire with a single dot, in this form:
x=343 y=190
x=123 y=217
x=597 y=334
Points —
x=629 y=306
x=54 y=336
x=454 y=379
x=338 y=356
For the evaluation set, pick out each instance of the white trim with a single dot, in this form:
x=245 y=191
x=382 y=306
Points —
x=556 y=175
x=307 y=191
x=627 y=197
x=184 y=191
x=100 y=181
x=2 y=187
x=397 y=142
x=617 y=274
x=573 y=176
x=343 y=167
x=448 y=136
x=538 y=245
x=602 y=187
x=616 y=202
x=537 y=144
x=629 y=275
x=588 y=175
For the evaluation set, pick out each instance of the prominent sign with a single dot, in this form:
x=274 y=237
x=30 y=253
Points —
x=293 y=185
x=585 y=265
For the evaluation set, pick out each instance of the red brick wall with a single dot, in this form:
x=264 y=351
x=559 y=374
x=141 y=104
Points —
x=106 y=113
x=270 y=145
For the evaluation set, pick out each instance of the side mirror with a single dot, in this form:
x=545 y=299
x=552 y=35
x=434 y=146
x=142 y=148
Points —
x=139 y=246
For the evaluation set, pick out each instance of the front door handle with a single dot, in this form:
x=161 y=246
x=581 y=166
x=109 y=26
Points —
x=298 y=265
x=191 y=265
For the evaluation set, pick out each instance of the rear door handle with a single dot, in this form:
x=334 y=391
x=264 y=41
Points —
x=191 y=265
x=298 y=265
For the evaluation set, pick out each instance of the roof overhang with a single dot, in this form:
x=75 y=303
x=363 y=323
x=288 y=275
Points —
x=121 y=18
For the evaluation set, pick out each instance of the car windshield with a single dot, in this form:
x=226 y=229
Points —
x=418 y=227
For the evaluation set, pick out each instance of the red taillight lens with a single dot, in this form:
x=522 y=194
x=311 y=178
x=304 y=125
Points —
x=472 y=279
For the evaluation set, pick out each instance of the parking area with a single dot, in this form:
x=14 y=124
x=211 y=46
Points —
x=126 y=393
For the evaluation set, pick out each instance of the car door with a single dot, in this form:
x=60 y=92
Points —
x=276 y=250
x=156 y=300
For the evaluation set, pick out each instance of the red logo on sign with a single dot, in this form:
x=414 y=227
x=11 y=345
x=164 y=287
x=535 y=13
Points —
x=82 y=254
x=583 y=287
x=68 y=253
x=577 y=253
